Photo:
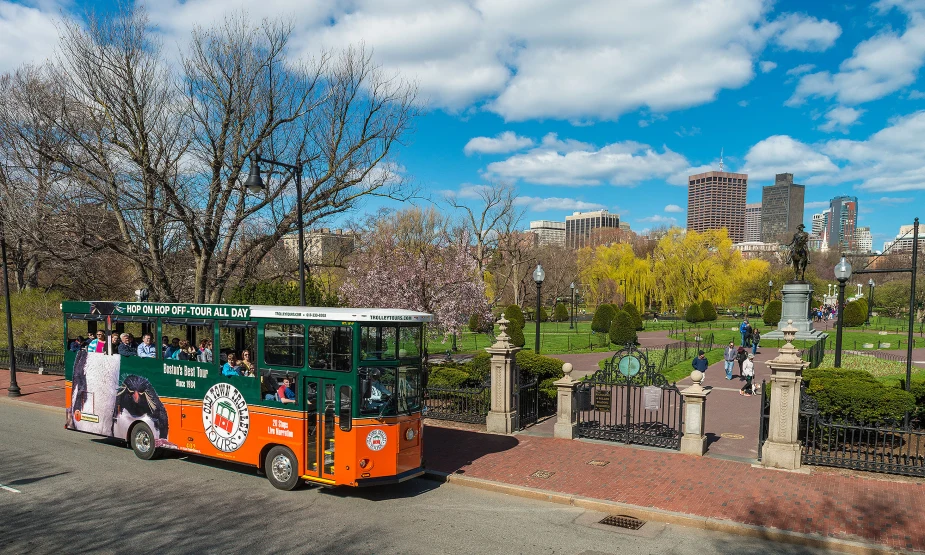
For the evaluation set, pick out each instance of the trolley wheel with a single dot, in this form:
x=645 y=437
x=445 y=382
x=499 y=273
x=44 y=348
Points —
x=282 y=468
x=142 y=441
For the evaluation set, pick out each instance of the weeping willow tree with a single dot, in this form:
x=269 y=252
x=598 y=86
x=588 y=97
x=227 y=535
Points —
x=614 y=271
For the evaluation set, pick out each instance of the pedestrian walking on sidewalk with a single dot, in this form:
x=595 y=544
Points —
x=741 y=355
x=748 y=370
x=756 y=337
x=742 y=328
x=729 y=357
x=700 y=363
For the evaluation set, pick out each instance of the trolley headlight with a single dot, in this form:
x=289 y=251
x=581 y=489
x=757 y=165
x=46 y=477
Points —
x=409 y=434
x=364 y=463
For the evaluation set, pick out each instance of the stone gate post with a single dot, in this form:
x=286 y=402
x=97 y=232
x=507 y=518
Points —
x=567 y=414
x=505 y=381
x=782 y=448
x=694 y=440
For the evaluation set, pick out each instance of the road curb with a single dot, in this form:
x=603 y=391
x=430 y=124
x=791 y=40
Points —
x=858 y=547
x=21 y=401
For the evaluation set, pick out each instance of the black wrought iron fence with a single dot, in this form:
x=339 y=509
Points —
x=889 y=447
x=815 y=353
x=678 y=352
x=48 y=362
x=528 y=403
x=764 y=421
x=458 y=404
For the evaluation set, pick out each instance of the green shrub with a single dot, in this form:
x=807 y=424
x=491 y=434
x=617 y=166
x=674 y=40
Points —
x=480 y=366
x=603 y=316
x=694 y=314
x=811 y=374
x=631 y=309
x=560 y=313
x=539 y=366
x=864 y=306
x=855 y=314
x=450 y=376
x=623 y=329
x=515 y=314
x=850 y=395
x=517 y=334
x=477 y=324
x=544 y=316
x=772 y=313
x=708 y=310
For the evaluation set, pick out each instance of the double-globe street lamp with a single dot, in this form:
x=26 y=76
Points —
x=254 y=184
x=842 y=274
x=870 y=300
x=538 y=276
x=571 y=322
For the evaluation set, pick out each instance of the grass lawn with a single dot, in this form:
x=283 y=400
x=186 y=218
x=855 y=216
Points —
x=887 y=371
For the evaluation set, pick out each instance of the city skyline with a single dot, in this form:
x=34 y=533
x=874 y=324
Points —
x=830 y=93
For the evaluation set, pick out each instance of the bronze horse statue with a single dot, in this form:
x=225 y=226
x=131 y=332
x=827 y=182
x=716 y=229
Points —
x=799 y=253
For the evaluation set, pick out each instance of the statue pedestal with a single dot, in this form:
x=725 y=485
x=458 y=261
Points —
x=797 y=296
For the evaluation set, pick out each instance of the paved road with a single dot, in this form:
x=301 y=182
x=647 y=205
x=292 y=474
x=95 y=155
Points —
x=78 y=493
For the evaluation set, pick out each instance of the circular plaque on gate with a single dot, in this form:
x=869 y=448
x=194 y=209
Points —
x=629 y=366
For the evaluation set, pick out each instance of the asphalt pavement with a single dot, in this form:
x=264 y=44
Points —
x=63 y=491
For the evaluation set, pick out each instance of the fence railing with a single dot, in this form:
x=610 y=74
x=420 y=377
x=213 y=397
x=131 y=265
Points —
x=815 y=354
x=892 y=448
x=48 y=362
x=528 y=403
x=458 y=404
x=674 y=353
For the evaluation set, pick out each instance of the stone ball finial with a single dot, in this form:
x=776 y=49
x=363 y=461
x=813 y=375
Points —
x=697 y=377
x=567 y=369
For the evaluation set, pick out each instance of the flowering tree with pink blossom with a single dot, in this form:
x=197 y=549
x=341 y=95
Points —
x=428 y=269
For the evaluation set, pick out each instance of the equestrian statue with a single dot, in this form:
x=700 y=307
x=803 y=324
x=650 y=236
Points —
x=799 y=252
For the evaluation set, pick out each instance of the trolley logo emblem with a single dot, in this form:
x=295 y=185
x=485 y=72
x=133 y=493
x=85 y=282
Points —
x=225 y=417
x=376 y=440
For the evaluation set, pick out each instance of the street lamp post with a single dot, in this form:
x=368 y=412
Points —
x=254 y=183
x=870 y=300
x=13 y=390
x=571 y=322
x=538 y=276
x=770 y=285
x=842 y=274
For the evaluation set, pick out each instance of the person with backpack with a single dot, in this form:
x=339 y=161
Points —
x=741 y=355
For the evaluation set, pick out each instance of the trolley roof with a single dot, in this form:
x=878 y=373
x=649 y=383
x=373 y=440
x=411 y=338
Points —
x=244 y=312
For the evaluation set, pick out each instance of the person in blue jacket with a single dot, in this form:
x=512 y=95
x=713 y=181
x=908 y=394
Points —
x=701 y=363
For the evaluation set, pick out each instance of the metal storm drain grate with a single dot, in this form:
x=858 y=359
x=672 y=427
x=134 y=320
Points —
x=544 y=474
x=623 y=521
x=598 y=463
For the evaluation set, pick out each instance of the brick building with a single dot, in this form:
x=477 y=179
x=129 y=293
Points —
x=716 y=200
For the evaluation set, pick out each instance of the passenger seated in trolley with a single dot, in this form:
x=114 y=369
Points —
x=379 y=394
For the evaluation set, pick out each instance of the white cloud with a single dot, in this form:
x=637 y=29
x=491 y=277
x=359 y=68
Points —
x=781 y=153
x=27 y=35
x=840 y=118
x=742 y=103
x=507 y=141
x=817 y=204
x=806 y=33
x=673 y=208
x=572 y=163
x=680 y=177
x=659 y=219
x=879 y=66
x=537 y=204
x=801 y=69
x=895 y=200
x=766 y=67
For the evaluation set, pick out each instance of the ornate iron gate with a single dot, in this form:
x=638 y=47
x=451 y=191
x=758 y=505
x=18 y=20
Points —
x=628 y=401
x=528 y=403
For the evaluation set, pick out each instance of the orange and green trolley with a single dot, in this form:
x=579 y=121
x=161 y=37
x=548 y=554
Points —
x=328 y=395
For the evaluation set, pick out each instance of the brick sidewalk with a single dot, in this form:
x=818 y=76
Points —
x=874 y=508
x=824 y=502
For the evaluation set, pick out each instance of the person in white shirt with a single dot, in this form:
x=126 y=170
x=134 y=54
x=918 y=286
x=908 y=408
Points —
x=748 y=372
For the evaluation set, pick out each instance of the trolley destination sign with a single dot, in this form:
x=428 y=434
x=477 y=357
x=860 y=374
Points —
x=178 y=310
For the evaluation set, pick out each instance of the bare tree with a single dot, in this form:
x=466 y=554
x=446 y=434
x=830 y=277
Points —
x=162 y=150
x=495 y=207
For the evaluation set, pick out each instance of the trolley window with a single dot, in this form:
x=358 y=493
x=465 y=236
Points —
x=284 y=345
x=330 y=348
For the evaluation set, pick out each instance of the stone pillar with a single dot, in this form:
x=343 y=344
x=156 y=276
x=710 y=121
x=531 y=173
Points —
x=567 y=415
x=505 y=382
x=782 y=449
x=694 y=440
x=797 y=297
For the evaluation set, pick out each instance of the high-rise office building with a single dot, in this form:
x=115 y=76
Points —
x=578 y=226
x=904 y=240
x=753 y=222
x=863 y=240
x=548 y=232
x=781 y=208
x=716 y=200
x=819 y=221
x=841 y=223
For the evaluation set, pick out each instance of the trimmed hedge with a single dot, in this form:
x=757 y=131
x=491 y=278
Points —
x=772 y=313
x=517 y=334
x=855 y=313
x=694 y=314
x=560 y=313
x=544 y=316
x=623 y=329
x=855 y=395
x=708 y=310
x=631 y=309
x=515 y=314
x=603 y=316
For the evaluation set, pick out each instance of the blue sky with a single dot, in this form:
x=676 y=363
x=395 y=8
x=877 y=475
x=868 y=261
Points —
x=602 y=104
